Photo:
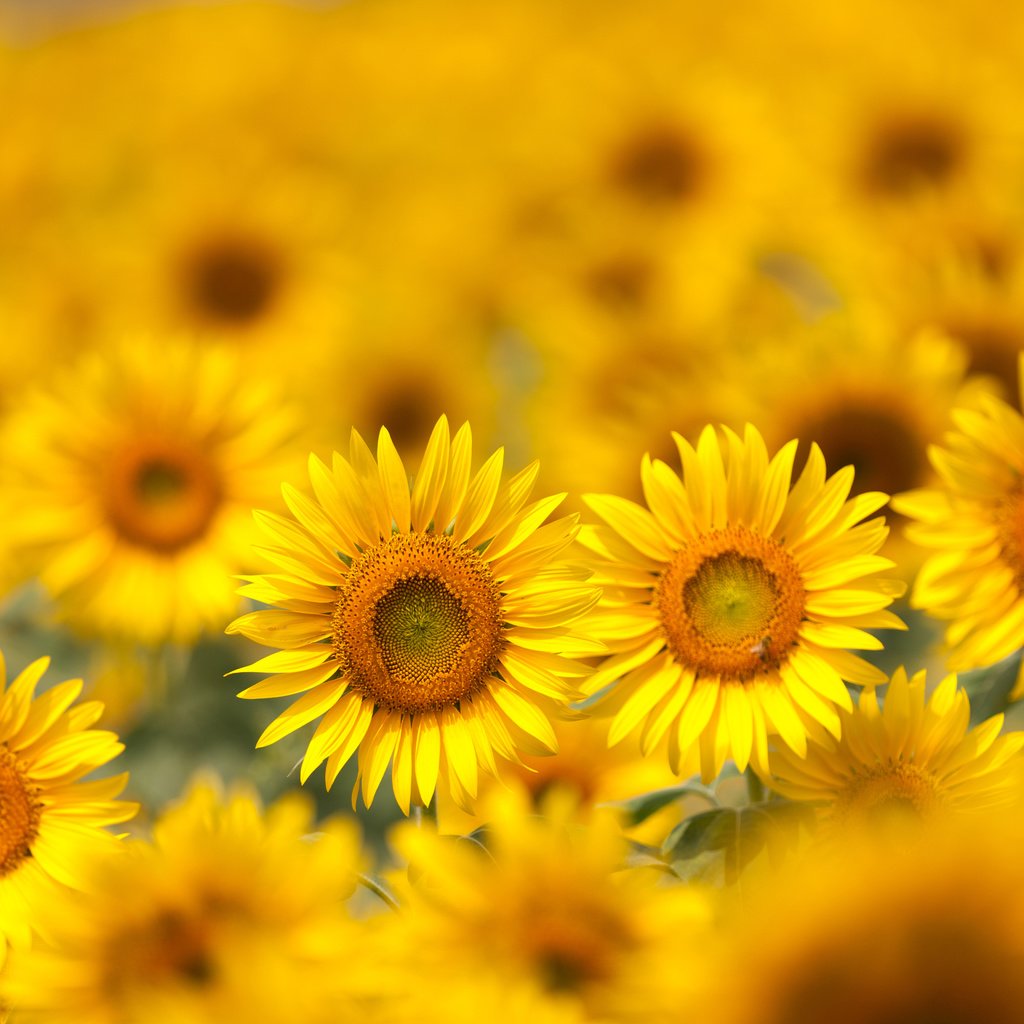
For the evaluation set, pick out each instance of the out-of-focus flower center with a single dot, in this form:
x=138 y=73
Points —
x=731 y=604
x=417 y=625
x=888 y=793
x=658 y=167
x=909 y=154
x=168 y=951
x=231 y=281
x=161 y=494
x=886 y=453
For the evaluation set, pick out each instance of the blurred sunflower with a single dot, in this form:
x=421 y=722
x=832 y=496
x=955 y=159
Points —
x=428 y=626
x=51 y=820
x=584 y=766
x=253 y=255
x=879 y=399
x=134 y=476
x=549 y=909
x=924 y=929
x=975 y=577
x=730 y=606
x=907 y=757
x=917 y=118
x=229 y=913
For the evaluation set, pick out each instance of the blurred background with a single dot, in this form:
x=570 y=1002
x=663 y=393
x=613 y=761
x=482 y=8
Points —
x=579 y=225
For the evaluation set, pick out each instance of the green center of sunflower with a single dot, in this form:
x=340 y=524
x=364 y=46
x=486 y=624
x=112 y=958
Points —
x=731 y=603
x=418 y=625
x=731 y=599
x=20 y=814
x=421 y=628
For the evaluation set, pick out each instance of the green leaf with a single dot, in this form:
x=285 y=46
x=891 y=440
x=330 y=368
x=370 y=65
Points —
x=640 y=808
x=989 y=688
x=709 y=830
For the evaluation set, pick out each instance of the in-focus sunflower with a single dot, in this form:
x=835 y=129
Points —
x=427 y=625
x=130 y=486
x=49 y=819
x=975 y=521
x=549 y=909
x=732 y=603
x=926 y=928
x=907 y=756
x=230 y=913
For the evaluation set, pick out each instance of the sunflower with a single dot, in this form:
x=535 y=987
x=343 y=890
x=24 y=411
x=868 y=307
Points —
x=50 y=819
x=923 y=929
x=907 y=756
x=426 y=625
x=585 y=766
x=975 y=520
x=130 y=485
x=229 y=913
x=731 y=605
x=549 y=910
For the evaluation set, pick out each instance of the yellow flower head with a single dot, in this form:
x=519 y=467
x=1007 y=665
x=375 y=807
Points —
x=908 y=755
x=549 y=909
x=732 y=601
x=130 y=486
x=49 y=819
x=426 y=625
x=975 y=521
x=229 y=913
x=924 y=929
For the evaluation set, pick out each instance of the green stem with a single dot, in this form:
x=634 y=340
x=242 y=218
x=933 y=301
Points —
x=755 y=787
x=378 y=890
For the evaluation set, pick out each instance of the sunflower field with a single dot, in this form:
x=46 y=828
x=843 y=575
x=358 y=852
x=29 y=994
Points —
x=513 y=511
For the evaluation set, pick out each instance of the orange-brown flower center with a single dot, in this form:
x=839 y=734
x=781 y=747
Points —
x=20 y=813
x=170 y=949
x=911 y=153
x=418 y=623
x=887 y=454
x=571 y=939
x=731 y=603
x=993 y=344
x=659 y=167
x=888 y=792
x=161 y=494
x=231 y=280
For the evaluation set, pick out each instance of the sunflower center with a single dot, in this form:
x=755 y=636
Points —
x=888 y=793
x=571 y=940
x=910 y=154
x=1009 y=519
x=731 y=604
x=620 y=284
x=886 y=453
x=658 y=167
x=993 y=346
x=161 y=495
x=418 y=624
x=170 y=950
x=20 y=814
x=232 y=280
